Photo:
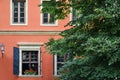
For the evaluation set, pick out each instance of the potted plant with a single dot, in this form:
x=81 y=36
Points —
x=30 y=72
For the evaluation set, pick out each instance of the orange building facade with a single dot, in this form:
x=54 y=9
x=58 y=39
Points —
x=23 y=32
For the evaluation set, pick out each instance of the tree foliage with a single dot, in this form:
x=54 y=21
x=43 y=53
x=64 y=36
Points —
x=94 y=38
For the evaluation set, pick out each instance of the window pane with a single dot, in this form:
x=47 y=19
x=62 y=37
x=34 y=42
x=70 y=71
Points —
x=22 y=10
x=34 y=56
x=59 y=65
x=45 y=18
x=52 y=18
x=15 y=10
x=60 y=62
x=21 y=14
x=25 y=56
x=30 y=69
x=15 y=15
x=45 y=15
x=21 y=20
x=25 y=67
x=21 y=4
x=15 y=4
x=60 y=59
x=16 y=20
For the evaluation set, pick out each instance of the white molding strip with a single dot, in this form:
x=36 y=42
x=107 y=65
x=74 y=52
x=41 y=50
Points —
x=30 y=43
x=7 y=32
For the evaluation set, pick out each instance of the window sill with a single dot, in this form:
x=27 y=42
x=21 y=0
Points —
x=30 y=76
x=14 y=24
x=50 y=25
x=57 y=76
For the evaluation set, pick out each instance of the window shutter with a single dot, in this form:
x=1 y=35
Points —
x=16 y=61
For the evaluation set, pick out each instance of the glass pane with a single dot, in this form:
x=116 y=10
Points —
x=21 y=4
x=45 y=15
x=34 y=67
x=15 y=10
x=15 y=15
x=34 y=56
x=29 y=68
x=25 y=56
x=16 y=20
x=45 y=20
x=21 y=14
x=25 y=68
x=60 y=59
x=22 y=10
x=59 y=65
x=21 y=20
x=15 y=4
x=52 y=18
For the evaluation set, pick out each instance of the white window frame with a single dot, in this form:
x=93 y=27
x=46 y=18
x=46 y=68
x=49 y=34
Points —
x=11 y=14
x=29 y=47
x=71 y=15
x=41 y=17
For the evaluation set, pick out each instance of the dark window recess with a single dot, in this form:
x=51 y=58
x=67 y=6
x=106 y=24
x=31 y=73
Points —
x=45 y=17
x=29 y=62
x=52 y=20
x=60 y=62
x=19 y=12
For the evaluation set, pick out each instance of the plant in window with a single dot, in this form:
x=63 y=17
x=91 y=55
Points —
x=30 y=72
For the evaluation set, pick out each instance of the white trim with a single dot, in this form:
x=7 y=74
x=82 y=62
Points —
x=41 y=17
x=27 y=47
x=20 y=62
x=15 y=32
x=55 y=65
x=71 y=14
x=30 y=44
x=26 y=14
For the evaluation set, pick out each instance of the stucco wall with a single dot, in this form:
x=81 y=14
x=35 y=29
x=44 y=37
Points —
x=11 y=35
x=6 y=63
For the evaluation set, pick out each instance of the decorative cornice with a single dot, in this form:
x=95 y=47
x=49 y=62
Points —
x=29 y=32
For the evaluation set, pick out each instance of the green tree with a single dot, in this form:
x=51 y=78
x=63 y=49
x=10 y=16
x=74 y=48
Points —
x=94 y=38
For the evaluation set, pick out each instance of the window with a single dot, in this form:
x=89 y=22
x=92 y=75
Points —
x=27 y=60
x=59 y=61
x=73 y=15
x=19 y=12
x=47 y=19
x=76 y=14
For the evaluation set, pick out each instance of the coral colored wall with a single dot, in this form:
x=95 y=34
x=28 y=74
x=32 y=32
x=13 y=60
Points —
x=33 y=18
x=6 y=63
x=10 y=41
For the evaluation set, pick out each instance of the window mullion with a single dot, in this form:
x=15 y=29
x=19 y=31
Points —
x=18 y=12
x=48 y=18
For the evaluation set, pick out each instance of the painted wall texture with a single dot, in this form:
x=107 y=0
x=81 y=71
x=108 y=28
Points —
x=11 y=35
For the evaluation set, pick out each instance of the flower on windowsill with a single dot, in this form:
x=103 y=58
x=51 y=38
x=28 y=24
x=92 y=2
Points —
x=30 y=72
